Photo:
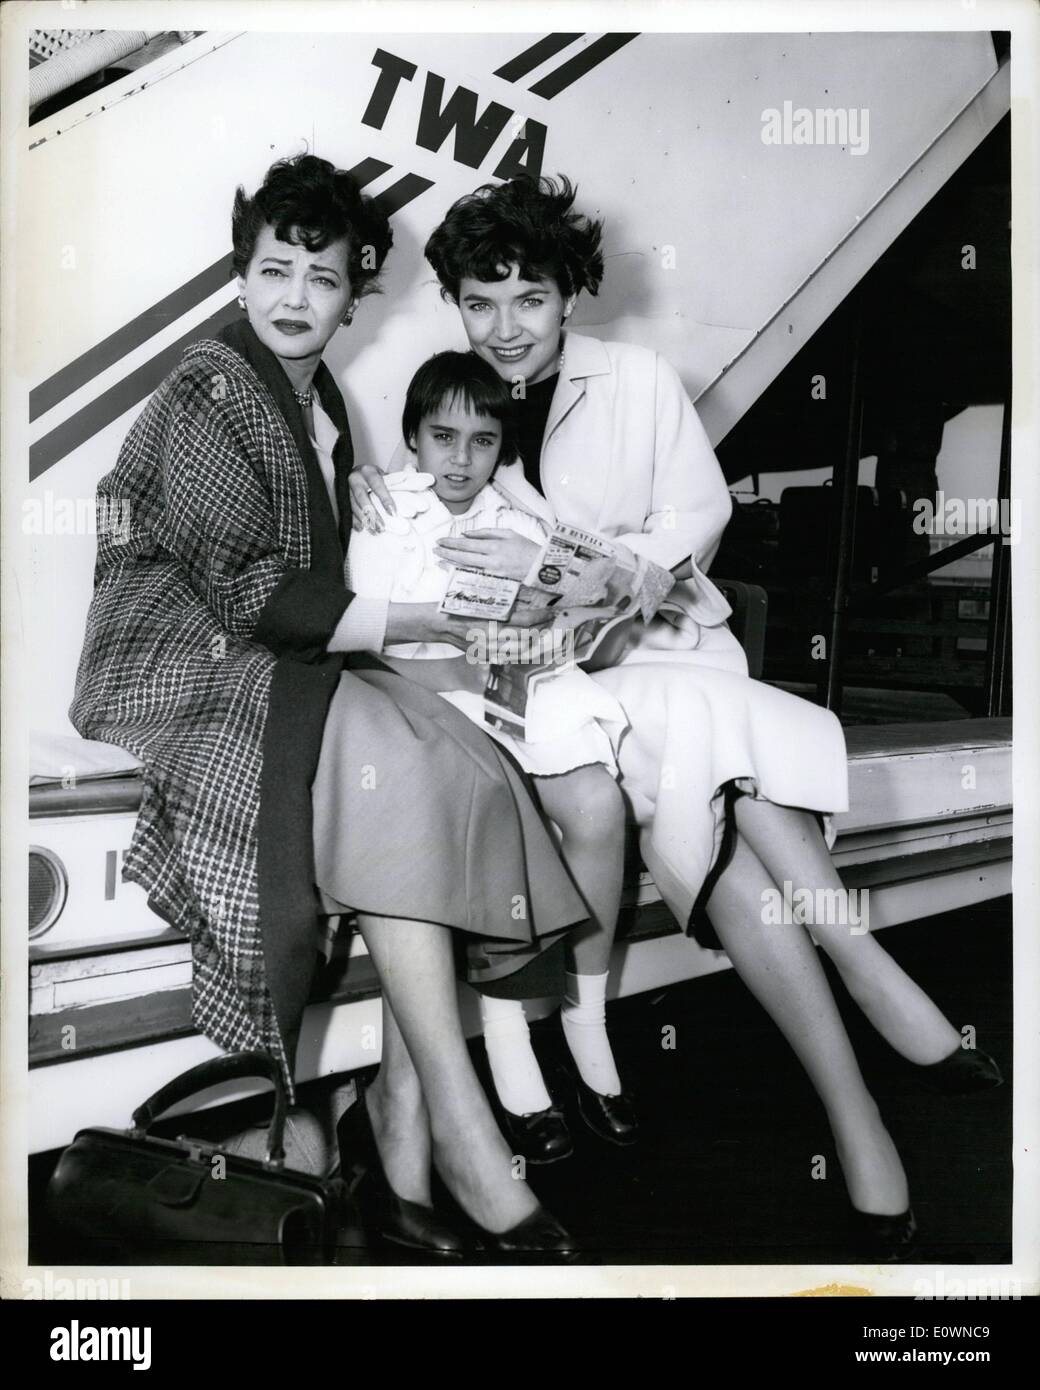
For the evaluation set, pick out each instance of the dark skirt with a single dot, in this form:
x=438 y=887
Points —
x=419 y=815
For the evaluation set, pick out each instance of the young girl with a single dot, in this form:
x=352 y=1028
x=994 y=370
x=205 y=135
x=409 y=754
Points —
x=459 y=423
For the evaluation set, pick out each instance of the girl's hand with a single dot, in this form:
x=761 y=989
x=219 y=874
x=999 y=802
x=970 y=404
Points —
x=495 y=551
x=366 y=478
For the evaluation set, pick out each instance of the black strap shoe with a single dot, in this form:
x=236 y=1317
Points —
x=613 y=1118
x=540 y=1137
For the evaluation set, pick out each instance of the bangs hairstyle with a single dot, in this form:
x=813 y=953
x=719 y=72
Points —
x=526 y=222
x=309 y=202
x=448 y=377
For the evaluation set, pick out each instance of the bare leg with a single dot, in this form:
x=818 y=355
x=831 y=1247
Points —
x=780 y=966
x=399 y=1117
x=790 y=845
x=415 y=964
x=589 y=809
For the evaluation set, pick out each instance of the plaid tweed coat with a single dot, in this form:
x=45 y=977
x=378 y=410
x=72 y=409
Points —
x=205 y=656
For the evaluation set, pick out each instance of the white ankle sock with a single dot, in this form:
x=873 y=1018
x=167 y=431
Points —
x=514 y=1067
x=585 y=1028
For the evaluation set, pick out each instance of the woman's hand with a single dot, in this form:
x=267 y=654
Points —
x=364 y=479
x=495 y=551
x=480 y=634
x=421 y=622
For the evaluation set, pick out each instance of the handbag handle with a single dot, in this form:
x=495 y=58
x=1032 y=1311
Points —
x=228 y=1068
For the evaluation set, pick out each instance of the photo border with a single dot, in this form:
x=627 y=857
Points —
x=518 y=16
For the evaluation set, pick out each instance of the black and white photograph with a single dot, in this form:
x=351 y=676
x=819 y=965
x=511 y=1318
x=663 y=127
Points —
x=518 y=550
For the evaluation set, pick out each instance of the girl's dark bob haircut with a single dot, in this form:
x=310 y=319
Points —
x=309 y=202
x=466 y=378
x=526 y=222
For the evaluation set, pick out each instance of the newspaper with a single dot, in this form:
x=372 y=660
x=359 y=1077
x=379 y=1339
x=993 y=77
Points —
x=592 y=591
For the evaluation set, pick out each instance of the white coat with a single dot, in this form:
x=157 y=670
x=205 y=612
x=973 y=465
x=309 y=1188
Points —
x=625 y=455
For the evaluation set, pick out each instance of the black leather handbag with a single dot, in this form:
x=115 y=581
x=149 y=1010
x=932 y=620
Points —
x=129 y=1196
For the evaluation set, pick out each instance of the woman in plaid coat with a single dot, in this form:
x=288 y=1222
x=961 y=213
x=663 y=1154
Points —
x=223 y=649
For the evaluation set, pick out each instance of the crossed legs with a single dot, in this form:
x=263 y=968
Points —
x=788 y=842
x=426 y=1103
x=780 y=966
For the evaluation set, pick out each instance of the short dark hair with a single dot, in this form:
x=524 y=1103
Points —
x=465 y=377
x=309 y=202
x=525 y=222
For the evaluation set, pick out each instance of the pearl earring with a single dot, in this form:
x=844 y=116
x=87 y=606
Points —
x=241 y=301
x=348 y=319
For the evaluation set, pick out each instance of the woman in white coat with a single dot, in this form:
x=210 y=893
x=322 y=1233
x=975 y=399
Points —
x=610 y=442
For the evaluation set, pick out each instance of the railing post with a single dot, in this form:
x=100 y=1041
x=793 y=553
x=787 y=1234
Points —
x=998 y=636
x=845 y=483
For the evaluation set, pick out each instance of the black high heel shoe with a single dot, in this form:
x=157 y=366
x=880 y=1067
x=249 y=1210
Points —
x=883 y=1239
x=385 y=1215
x=965 y=1071
x=539 y=1234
